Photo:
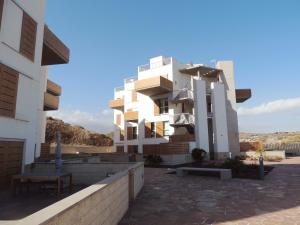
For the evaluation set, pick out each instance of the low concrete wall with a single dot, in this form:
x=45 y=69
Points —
x=104 y=202
x=84 y=172
x=176 y=159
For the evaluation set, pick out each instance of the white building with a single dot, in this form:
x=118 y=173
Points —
x=27 y=47
x=172 y=108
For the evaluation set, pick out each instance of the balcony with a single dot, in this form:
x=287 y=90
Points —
x=160 y=63
x=131 y=115
x=182 y=138
x=116 y=104
x=183 y=95
x=242 y=95
x=51 y=102
x=54 y=50
x=182 y=120
x=53 y=88
x=154 y=86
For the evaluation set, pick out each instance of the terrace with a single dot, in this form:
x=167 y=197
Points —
x=101 y=193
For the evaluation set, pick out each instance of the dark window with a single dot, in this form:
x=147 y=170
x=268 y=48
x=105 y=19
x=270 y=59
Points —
x=152 y=129
x=163 y=106
x=134 y=132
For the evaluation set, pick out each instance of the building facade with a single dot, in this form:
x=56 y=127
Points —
x=171 y=108
x=27 y=47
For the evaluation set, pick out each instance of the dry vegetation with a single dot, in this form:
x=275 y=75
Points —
x=74 y=135
x=272 y=138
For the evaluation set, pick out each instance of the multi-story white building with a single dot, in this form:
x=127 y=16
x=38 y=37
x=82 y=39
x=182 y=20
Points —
x=27 y=47
x=172 y=108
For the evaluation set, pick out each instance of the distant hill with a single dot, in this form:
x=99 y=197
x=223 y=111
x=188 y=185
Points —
x=74 y=135
x=272 y=138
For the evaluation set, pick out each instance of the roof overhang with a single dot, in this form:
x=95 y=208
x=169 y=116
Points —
x=242 y=95
x=201 y=70
x=54 y=50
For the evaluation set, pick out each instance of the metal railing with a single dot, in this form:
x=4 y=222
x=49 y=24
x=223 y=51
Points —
x=130 y=79
x=182 y=95
x=166 y=61
x=182 y=119
x=119 y=89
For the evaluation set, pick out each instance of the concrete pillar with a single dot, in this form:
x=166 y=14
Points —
x=200 y=109
x=227 y=78
x=221 y=145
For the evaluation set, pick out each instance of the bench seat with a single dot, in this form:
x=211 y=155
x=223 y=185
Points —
x=224 y=173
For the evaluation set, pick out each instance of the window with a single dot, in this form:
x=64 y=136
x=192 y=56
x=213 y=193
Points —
x=166 y=128
x=163 y=106
x=152 y=129
x=134 y=132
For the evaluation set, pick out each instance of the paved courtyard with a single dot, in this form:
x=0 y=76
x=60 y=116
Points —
x=171 y=200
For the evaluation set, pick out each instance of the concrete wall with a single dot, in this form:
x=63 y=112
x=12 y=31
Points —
x=84 y=173
x=221 y=145
x=200 y=106
x=104 y=202
x=227 y=77
x=29 y=110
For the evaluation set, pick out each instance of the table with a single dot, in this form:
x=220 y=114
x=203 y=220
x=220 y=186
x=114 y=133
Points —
x=42 y=177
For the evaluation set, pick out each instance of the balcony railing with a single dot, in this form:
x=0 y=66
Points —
x=51 y=102
x=130 y=79
x=117 y=89
x=166 y=61
x=116 y=103
x=154 y=85
x=131 y=115
x=182 y=119
x=53 y=88
x=183 y=95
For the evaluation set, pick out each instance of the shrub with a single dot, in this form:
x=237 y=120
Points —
x=198 y=154
x=153 y=160
x=234 y=164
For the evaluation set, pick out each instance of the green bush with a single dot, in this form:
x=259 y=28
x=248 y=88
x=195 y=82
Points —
x=198 y=154
x=234 y=164
x=153 y=160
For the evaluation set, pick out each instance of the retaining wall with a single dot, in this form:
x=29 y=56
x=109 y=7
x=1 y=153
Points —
x=104 y=202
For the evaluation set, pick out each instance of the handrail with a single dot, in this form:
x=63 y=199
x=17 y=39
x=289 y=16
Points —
x=166 y=61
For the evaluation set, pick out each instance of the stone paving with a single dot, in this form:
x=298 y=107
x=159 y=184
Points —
x=194 y=200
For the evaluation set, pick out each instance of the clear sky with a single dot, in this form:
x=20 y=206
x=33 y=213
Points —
x=109 y=39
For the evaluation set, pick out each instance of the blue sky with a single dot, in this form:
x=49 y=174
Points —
x=109 y=39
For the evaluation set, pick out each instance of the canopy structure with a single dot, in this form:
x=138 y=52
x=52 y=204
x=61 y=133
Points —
x=201 y=70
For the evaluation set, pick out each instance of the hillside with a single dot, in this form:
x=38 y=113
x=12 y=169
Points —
x=74 y=135
x=272 y=138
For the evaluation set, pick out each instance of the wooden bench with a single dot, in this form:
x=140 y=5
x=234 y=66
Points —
x=224 y=173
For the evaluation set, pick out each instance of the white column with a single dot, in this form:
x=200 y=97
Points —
x=200 y=109
x=221 y=145
x=227 y=77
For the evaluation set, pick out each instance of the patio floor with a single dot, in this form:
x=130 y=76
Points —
x=25 y=203
x=168 y=199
